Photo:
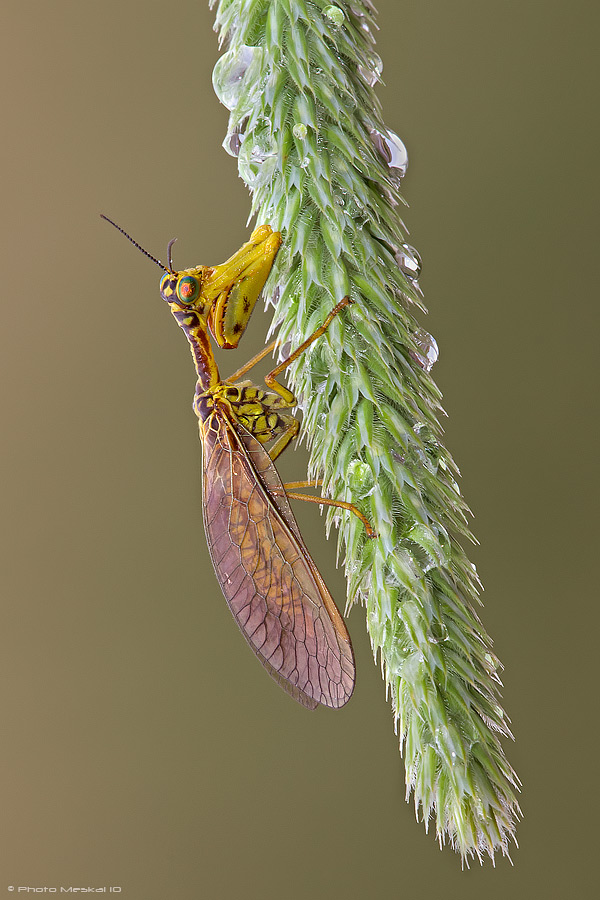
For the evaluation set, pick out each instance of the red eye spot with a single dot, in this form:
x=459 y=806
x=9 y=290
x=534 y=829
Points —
x=187 y=290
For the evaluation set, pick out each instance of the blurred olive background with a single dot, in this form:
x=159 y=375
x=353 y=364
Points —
x=143 y=746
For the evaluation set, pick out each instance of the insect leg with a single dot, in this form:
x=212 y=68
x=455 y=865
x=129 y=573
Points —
x=324 y=501
x=270 y=379
x=252 y=362
x=290 y=431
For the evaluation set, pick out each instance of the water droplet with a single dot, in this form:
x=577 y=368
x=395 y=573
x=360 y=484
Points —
x=437 y=633
x=427 y=351
x=409 y=261
x=258 y=162
x=354 y=208
x=360 y=478
x=380 y=144
x=300 y=131
x=399 y=154
x=338 y=200
x=233 y=141
x=335 y=14
x=304 y=162
x=362 y=23
x=391 y=149
x=372 y=71
x=260 y=152
x=493 y=666
x=229 y=72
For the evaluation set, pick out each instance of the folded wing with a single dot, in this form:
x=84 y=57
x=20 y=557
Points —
x=269 y=580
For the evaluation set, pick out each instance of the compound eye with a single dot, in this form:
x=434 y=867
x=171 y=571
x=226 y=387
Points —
x=188 y=289
x=167 y=287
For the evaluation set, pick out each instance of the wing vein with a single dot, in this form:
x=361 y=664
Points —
x=269 y=580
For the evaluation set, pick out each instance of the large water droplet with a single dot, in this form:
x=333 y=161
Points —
x=300 y=131
x=391 y=149
x=371 y=72
x=229 y=72
x=399 y=155
x=427 y=351
x=380 y=144
x=335 y=15
x=409 y=261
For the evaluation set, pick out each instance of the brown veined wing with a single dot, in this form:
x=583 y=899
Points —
x=269 y=580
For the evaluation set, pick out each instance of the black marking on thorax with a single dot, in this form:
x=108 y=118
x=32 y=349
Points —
x=204 y=404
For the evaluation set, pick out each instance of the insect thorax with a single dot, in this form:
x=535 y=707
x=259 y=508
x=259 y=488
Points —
x=255 y=409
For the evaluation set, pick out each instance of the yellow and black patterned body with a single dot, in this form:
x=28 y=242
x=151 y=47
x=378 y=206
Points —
x=256 y=410
x=266 y=573
x=269 y=580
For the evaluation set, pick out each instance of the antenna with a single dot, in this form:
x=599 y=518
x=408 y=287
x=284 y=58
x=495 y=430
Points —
x=169 y=255
x=145 y=252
